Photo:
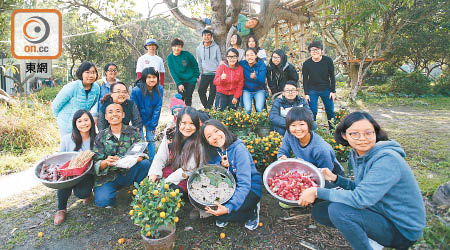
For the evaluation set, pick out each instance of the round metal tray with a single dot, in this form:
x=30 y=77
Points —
x=60 y=159
x=291 y=164
x=209 y=168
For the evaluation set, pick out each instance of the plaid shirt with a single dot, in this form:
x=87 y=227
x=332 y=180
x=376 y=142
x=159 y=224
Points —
x=107 y=144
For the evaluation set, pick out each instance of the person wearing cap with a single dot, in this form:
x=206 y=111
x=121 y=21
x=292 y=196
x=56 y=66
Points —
x=184 y=70
x=208 y=58
x=150 y=59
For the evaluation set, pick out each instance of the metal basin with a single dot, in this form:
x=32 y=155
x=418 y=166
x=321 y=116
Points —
x=292 y=164
x=60 y=159
x=209 y=168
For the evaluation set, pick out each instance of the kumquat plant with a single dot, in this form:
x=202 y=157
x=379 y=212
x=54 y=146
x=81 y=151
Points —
x=154 y=205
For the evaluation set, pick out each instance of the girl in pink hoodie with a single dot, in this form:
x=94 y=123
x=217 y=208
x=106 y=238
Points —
x=229 y=81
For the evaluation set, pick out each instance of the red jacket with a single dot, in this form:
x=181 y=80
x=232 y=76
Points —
x=233 y=83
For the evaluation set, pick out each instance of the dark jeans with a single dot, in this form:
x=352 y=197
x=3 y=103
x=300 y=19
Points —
x=187 y=93
x=245 y=212
x=358 y=225
x=327 y=102
x=225 y=101
x=205 y=82
x=82 y=190
x=105 y=195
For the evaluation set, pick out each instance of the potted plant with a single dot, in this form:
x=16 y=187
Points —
x=155 y=206
x=262 y=123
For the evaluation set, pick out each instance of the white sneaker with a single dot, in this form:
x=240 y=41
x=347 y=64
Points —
x=252 y=223
x=221 y=224
x=375 y=245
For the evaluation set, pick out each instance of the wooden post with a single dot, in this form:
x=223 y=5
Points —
x=290 y=37
x=276 y=36
x=302 y=42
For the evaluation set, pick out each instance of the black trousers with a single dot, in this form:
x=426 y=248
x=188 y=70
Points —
x=225 y=101
x=187 y=93
x=205 y=82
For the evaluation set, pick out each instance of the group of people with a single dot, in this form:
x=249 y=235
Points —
x=382 y=203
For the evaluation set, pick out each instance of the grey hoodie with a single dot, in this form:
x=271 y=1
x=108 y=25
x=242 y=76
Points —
x=383 y=183
x=208 y=58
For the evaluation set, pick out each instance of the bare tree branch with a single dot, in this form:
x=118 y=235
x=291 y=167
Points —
x=174 y=8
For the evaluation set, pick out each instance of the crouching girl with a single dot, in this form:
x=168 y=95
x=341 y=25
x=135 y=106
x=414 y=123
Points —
x=222 y=147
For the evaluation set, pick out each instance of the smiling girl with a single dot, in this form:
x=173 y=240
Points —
x=383 y=202
x=80 y=94
x=148 y=96
x=223 y=148
x=177 y=159
x=81 y=139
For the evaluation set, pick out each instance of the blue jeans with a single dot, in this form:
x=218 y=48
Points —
x=150 y=138
x=327 y=102
x=82 y=190
x=260 y=98
x=358 y=225
x=245 y=212
x=105 y=195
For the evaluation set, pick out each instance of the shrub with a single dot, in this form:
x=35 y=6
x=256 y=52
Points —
x=264 y=150
x=239 y=121
x=414 y=83
x=340 y=114
x=340 y=151
x=47 y=94
x=154 y=205
x=442 y=85
x=29 y=124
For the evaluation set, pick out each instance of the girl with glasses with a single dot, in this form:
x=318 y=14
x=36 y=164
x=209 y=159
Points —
x=383 y=203
x=279 y=71
x=229 y=81
x=119 y=95
x=80 y=94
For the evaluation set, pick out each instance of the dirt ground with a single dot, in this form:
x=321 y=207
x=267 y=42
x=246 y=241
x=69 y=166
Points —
x=26 y=214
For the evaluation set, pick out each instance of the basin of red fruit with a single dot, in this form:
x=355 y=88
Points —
x=286 y=179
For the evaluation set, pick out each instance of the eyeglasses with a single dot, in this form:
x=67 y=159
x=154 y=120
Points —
x=357 y=135
x=291 y=91
x=314 y=50
x=121 y=92
x=276 y=57
x=112 y=70
x=232 y=57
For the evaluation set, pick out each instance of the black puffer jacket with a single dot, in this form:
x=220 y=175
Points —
x=278 y=75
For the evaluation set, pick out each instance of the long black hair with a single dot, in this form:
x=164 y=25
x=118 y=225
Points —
x=352 y=118
x=149 y=71
x=211 y=151
x=76 y=136
x=183 y=148
x=256 y=42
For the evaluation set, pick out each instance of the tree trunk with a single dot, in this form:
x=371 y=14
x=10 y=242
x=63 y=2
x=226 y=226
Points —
x=353 y=74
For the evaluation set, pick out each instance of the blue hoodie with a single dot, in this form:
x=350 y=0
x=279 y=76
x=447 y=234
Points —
x=244 y=171
x=259 y=83
x=149 y=106
x=318 y=152
x=383 y=183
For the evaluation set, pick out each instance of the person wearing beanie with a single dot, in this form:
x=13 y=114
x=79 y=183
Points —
x=150 y=59
x=176 y=103
x=208 y=58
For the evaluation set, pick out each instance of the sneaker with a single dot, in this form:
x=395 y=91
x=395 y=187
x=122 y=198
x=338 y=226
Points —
x=252 y=223
x=221 y=224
